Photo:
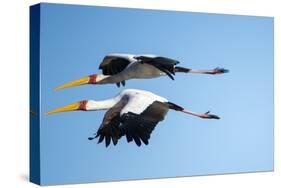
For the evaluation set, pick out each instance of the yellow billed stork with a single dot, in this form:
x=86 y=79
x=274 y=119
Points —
x=132 y=113
x=117 y=68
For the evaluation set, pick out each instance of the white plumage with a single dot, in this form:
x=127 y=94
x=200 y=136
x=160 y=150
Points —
x=139 y=100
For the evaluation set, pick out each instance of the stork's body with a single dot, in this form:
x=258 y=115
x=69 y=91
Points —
x=117 y=68
x=132 y=113
x=133 y=71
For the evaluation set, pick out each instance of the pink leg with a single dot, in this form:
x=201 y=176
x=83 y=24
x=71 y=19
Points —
x=212 y=71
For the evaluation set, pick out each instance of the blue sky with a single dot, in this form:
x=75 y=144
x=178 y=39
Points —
x=74 y=40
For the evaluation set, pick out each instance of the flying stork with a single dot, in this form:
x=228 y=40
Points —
x=117 y=68
x=132 y=113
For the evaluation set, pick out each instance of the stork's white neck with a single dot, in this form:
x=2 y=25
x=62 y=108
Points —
x=101 y=77
x=100 y=105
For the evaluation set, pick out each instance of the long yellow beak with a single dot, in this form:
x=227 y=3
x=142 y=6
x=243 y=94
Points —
x=70 y=107
x=81 y=81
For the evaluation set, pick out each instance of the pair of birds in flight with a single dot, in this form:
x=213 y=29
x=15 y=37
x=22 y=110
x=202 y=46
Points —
x=132 y=113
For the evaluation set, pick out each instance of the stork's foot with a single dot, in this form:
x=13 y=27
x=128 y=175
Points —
x=218 y=70
x=207 y=115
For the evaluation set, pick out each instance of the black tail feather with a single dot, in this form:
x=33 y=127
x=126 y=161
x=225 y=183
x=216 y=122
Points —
x=174 y=106
x=181 y=69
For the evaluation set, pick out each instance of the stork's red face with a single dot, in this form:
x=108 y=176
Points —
x=92 y=79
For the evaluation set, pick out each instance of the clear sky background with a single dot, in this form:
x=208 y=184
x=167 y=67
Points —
x=74 y=40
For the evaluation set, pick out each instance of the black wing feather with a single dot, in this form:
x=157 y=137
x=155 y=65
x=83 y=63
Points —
x=164 y=64
x=138 y=127
x=107 y=140
x=137 y=139
x=101 y=138
x=113 y=65
x=129 y=138
x=109 y=129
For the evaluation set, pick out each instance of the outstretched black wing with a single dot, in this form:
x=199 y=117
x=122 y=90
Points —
x=112 y=65
x=109 y=129
x=138 y=127
x=164 y=64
